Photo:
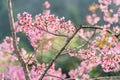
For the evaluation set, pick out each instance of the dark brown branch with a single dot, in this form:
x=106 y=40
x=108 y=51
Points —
x=11 y=19
x=59 y=52
x=96 y=27
x=62 y=35
x=101 y=28
x=106 y=77
x=54 y=76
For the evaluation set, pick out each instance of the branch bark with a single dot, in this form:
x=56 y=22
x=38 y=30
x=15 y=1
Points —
x=101 y=28
x=59 y=52
x=61 y=35
x=106 y=77
x=11 y=19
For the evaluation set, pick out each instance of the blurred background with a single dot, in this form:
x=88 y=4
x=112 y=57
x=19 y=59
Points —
x=74 y=10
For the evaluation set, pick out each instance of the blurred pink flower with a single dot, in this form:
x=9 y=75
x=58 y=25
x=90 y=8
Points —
x=46 y=4
x=116 y=2
x=106 y=2
x=116 y=29
x=15 y=73
x=92 y=19
x=104 y=8
x=111 y=19
x=110 y=62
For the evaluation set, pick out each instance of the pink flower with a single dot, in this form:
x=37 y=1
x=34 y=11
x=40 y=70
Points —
x=46 y=4
x=107 y=27
x=111 y=40
x=7 y=45
x=111 y=19
x=110 y=62
x=92 y=19
x=72 y=74
x=106 y=2
x=85 y=77
x=37 y=29
x=15 y=72
x=105 y=48
x=104 y=8
x=118 y=12
x=85 y=54
x=116 y=29
x=38 y=70
x=116 y=2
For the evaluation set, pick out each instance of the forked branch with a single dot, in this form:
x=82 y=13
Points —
x=59 y=52
x=11 y=19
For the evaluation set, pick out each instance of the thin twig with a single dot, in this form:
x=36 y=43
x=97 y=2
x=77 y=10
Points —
x=59 y=52
x=62 y=35
x=54 y=76
x=106 y=77
x=88 y=41
x=96 y=27
x=11 y=19
x=34 y=53
x=99 y=28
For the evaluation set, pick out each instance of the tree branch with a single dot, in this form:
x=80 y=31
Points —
x=59 y=52
x=54 y=76
x=96 y=27
x=11 y=19
x=62 y=35
x=106 y=77
x=101 y=28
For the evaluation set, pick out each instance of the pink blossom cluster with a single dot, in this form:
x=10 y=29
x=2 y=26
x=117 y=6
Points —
x=46 y=5
x=110 y=62
x=92 y=19
x=82 y=72
x=13 y=73
x=109 y=52
x=7 y=45
x=107 y=44
x=109 y=15
x=104 y=50
x=28 y=58
x=36 y=29
x=109 y=2
x=53 y=74
x=86 y=35
x=89 y=60
x=7 y=60
x=106 y=2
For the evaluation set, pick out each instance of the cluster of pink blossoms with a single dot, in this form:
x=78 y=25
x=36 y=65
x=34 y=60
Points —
x=109 y=2
x=92 y=19
x=110 y=15
x=89 y=60
x=43 y=26
x=7 y=60
x=10 y=71
x=7 y=45
x=53 y=74
x=104 y=50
